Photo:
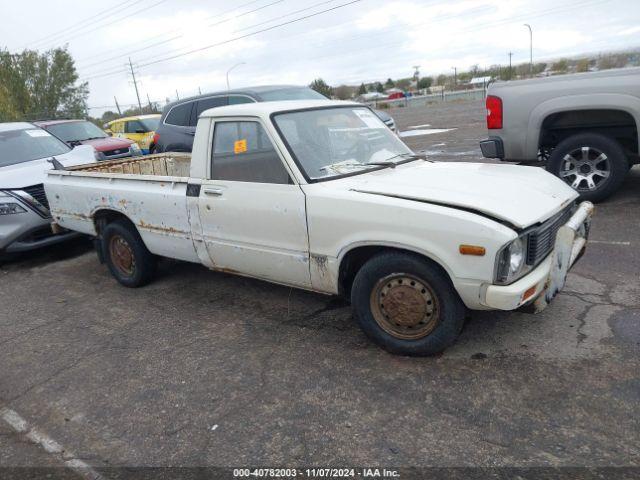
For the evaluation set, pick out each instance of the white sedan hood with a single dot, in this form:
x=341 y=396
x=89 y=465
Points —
x=34 y=172
x=521 y=196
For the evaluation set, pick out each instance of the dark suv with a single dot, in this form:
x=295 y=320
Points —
x=178 y=122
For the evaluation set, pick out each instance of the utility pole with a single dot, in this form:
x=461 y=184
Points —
x=199 y=91
x=150 y=105
x=530 y=49
x=510 y=72
x=455 y=76
x=135 y=84
x=117 y=106
x=177 y=96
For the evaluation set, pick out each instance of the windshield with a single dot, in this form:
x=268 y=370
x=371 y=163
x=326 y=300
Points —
x=76 y=131
x=18 y=146
x=330 y=142
x=295 y=93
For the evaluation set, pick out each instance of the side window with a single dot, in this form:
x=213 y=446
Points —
x=242 y=152
x=205 y=104
x=116 y=127
x=180 y=115
x=132 y=126
x=237 y=99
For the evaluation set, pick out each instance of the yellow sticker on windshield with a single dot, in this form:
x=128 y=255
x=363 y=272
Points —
x=240 y=146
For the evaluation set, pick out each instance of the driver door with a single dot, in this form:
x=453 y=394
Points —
x=253 y=216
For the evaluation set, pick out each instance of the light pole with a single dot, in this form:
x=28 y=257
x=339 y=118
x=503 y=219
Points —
x=236 y=65
x=530 y=49
x=455 y=77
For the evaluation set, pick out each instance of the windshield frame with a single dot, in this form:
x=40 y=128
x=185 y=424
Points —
x=371 y=168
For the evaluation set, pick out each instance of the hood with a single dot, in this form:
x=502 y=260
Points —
x=108 y=143
x=33 y=172
x=521 y=196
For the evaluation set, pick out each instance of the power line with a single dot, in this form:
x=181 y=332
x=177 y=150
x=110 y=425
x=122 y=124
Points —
x=99 y=27
x=74 y=25
x=181 y=35
x=200 y=49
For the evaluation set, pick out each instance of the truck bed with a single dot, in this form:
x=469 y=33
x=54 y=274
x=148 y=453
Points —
x=171 y=164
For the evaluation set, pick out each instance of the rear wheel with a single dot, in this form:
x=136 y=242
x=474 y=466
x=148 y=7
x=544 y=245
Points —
x=406 y=304
x=592 y=164
x=126 y=255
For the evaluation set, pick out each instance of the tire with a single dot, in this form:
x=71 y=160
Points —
x=406 y=304
x=127 y=257
x=569 y=162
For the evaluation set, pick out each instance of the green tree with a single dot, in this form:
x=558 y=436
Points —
x=424 y=82
x=362 y=89
x=560 y=66
x=320 y=86
x=379 y=88
x=389 y=83
x=441 y=80
x=40 y=85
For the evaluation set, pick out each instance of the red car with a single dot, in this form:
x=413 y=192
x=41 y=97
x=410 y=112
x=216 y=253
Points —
x=83 y=132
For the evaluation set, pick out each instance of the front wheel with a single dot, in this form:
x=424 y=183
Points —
x=592 y=164
x=406 y=304
x=126 y=255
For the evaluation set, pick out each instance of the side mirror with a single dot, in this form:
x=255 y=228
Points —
x=109 y=132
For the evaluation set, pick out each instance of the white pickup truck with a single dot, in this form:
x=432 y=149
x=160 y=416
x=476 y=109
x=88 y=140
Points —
x=322 y=196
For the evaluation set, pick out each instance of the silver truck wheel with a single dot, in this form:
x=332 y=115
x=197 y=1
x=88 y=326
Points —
x=592 y=164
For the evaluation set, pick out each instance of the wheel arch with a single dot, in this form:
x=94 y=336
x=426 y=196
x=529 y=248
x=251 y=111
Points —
x=353 y=257
x=618 y=106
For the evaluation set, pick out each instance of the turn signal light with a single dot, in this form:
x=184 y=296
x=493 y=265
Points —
x=472 y=250
x=528 y=293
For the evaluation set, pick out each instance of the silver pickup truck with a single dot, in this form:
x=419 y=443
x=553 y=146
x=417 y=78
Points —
x=584 y=126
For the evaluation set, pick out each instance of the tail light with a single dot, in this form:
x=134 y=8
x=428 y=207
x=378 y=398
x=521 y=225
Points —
x=494 y=112
x=156 y=138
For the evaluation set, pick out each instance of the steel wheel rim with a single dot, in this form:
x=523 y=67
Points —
x=405 y=306
x=122 y=255
x=585 y=169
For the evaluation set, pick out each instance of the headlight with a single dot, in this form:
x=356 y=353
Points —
x=11 y=208
x=135 y=149
x=511 y=263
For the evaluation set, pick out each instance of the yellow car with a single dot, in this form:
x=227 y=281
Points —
x=139 y=128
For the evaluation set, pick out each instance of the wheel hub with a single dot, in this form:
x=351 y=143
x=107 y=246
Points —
x=585 y=168
x=404 y=306
x=122 y=255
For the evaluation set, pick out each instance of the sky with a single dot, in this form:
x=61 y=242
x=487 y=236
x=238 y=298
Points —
x=181 y=47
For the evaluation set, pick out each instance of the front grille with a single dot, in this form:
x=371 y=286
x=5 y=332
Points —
x=542 y=239
x=37 y=192
x=118 y=151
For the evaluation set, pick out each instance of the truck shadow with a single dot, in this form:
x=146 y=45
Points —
x=45 y=255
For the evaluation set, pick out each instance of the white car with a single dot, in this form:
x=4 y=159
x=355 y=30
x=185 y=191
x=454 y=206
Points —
x=322 y=196
x=25 y=222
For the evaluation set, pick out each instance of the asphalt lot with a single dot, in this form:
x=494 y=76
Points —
x=207 y=369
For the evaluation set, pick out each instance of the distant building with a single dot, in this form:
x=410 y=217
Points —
x=480 y=81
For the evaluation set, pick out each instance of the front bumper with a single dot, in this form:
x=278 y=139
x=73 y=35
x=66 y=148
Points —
x=27 y=231
x=540 y=286
x=492 y=148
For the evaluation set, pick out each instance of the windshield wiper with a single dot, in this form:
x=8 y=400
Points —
x=403 y=155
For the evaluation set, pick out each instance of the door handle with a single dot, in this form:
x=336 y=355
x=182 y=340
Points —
x=216 y=192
